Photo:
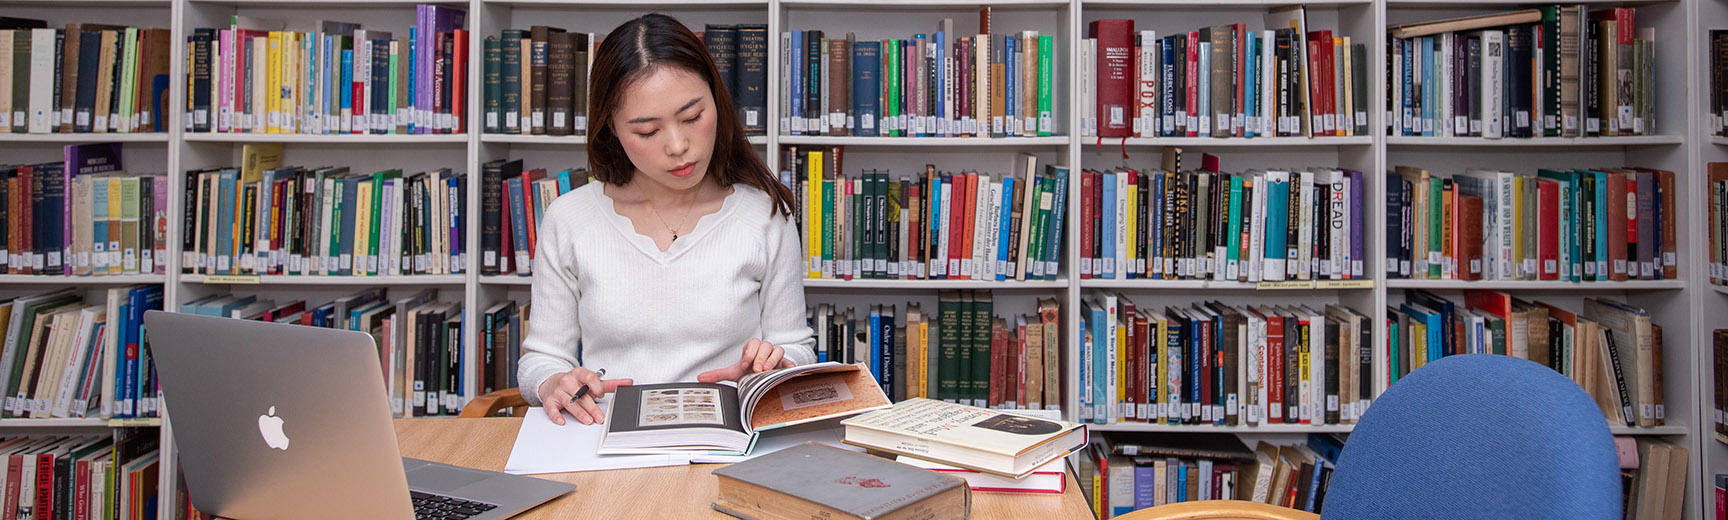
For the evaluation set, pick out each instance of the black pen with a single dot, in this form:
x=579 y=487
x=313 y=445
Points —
x=584 y=390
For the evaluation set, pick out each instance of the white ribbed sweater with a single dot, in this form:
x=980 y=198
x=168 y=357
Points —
x=661 y=317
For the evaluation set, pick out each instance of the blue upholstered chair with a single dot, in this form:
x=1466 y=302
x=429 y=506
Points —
x=1478 y=437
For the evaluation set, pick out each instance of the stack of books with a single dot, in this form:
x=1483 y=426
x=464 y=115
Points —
x=1217 y=364
x=1567 y=225
x=1254 y=226
x=100 y=477
x=1126 y=473
x=933 y=224
x=255 y=76
x=501 y=331
x=64 y=358
x=512 y=201
x=419 y=339
x=265 y=218
x=1553 y=71
x=83 y=216
x=1610 y=348
x=85 y=78
x=1223 y=81
x=927 y=85
x=962 y=353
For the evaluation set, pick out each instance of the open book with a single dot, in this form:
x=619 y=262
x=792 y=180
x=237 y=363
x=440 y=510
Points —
x=719 y=418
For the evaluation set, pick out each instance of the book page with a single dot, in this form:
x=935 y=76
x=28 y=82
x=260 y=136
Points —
x=809 y=392
x=673 y=406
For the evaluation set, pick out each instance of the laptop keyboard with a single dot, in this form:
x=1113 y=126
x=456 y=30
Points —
x=428 y=506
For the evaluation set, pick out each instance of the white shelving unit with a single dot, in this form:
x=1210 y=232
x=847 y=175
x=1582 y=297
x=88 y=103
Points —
x=1687 y=308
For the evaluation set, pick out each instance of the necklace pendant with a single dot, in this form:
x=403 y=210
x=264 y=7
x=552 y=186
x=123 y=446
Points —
x=674 y=237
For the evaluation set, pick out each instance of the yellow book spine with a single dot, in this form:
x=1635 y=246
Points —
x=1519 y=234
x=115 y=207
x=923 y=365
x=273 y=84
x=363 y=228
x=813 y=214
x=1133 y=228
x=1418 y=343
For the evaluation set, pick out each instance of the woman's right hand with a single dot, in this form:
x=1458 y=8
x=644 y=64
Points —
x=556 y=391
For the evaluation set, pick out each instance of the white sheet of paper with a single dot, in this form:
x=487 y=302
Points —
x=545 y=447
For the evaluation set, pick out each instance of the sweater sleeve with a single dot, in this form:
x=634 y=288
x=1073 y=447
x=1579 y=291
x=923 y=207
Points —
x=551 y=344
x=783 y=293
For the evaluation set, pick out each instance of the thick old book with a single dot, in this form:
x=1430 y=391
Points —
x=1465 y=23
x=816 y=481
x=751 y=87
x=560 y=78
x=1114 y=67
x=991 y=441
x=713 y=418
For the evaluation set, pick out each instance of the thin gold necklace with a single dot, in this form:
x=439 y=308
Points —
x=669 y=228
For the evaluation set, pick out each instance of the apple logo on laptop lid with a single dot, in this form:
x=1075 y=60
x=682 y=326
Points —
x=270 y=426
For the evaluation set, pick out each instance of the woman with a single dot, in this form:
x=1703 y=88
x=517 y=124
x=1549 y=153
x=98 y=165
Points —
x=683 y=261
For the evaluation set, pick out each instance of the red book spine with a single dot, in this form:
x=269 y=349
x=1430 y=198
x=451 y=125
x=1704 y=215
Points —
x=914 y=235
x=1207 y=363
x=44 y=487
x=1088 y=179
x=1130 y=372
x=14 y=478
x=1193 y=86
x=459 y=84
x=970 y=215
x=1019 y=364
x=1115 y=87
x=1143 y=378
x=506 y=237
x=1548 y=229
x=25 y=246
x=1316 y=85
x=528 y=178
x=1237 y=124
x=956 y=225
x=1274 y=379
x=1631 y=254
x=81 y=491
x=998 y=364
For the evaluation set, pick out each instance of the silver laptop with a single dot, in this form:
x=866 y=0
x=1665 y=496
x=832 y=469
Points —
x=287 y=421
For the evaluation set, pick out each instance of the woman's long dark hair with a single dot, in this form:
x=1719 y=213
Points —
x=631 y=52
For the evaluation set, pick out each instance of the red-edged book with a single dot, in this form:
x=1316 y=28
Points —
x=956 y=224
x=528 y=179
x=1273 y=379
x=459 y=84
x=506 y=236
x=1141 y=332
x=1238 y=125
x=44 y=486
x=1193 y=86
x=14 y=474
x=1320 y=80
x=1547 y=229
x=1115 y=87
x=81 y=490
x=1469 y=234
x=1088 y=179
x=998 y=362
x=1131 y=359
x=971 y=216
x=1048 y=478
x=1496 y=303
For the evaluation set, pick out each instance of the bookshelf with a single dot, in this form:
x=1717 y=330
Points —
x=1687 y=308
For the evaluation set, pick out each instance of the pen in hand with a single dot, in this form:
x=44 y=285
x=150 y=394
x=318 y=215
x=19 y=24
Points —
x=584 y=390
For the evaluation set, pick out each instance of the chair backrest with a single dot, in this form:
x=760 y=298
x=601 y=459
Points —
x=1479 y=436
x=491 y=404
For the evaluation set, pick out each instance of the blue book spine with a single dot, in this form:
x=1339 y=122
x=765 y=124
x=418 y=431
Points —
x=1145 y=489
x=1182 y=483
x=1006 y=222
x=225 y=224
x=866 y=85
x=518 y=219
x=935 y=200
x=797 y=79
x=1407 y=52
x=1010 y=93
x=1277 y=219
x=347 y=93
x=1250 y=68
x=1167 y=89
x=1099 y=368
x=1429 y=87
x=941 y=83
x=133 y=354
x=1204 y=94
x=564 y=182
x=1602 y=259
x=1053 y=244
x=876 y=344
x=413 y=70
x=1314 y=488
x=1107 y=235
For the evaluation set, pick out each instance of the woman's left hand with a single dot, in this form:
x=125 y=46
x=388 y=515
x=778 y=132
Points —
x=759 y=356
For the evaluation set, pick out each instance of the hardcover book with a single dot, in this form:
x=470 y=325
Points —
x=716 y=418
x=991 y=441
x=815 y=481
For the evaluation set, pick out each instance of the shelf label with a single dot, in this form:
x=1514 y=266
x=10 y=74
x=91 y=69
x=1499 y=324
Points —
x=230 y=278
x=1345 y=284
x=1284 y=285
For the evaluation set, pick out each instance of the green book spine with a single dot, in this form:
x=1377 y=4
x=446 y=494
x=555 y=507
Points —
x=1550 y=123
x=1497 y=333
x=375 y=256
x=129 y=79
x=963 y=349
x=828 y=197
x=948 y=338
x=1041 y=220
x=1392 y=332
x=1033 y=251
x=395 y=65
x=1231 y=255
x=1435 y=199
x=494 y=87
x=891 y=105
x=1046 y=61
x=336 y=209
x=981 y=321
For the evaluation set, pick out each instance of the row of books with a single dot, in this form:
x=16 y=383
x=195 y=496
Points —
x=84 y=78
x=1123 y=473
x=963 y=352
x=1719 y=82
x=1719 y=360
x=1653 y=478
x=1553 y=71
x=1717 y=199
x=66 y=358
x=1211 y=363
x=1612 y=349
x=1569 y=225
x=937 y=84
x=419 y=339
x=536 y=80
x=99 y=477
x=929 y=225
x=512 y=201
x=502 y=328
x=1223 y=81
x=83 y=216
x=1254 y=226
x=256 y=76
x=268 y=218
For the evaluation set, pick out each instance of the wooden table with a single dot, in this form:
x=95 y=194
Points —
x=668 y=492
